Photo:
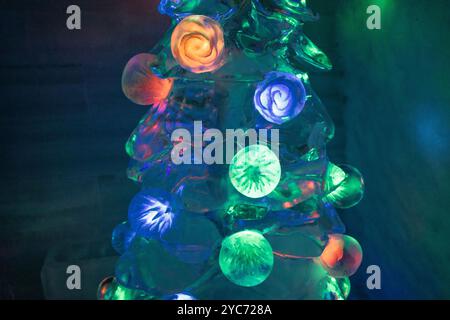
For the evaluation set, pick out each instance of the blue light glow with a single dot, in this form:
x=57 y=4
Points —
x=151 y=213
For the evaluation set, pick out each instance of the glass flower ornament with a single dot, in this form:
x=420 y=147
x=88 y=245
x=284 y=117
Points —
x=122 y=237
x=197 y=44
x=280 y=97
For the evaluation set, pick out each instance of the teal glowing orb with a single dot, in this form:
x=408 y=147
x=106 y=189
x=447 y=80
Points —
x=255 y=171
x=246 y=258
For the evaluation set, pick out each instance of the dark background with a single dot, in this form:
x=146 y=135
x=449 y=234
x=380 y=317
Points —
x=64 y=123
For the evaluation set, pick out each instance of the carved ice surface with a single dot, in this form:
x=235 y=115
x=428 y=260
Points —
x=265 y=225
x=333 y=288
x=122 y=237
x=197 y=44
x=139 y=83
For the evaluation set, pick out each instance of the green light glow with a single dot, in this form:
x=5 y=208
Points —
x=335 y=289
x=121 y=293
x=306 y=50
x=255 y=171
x=348 y=192
x=246 y=212
x=110 y=289
x=246 y=258
x=334 y=177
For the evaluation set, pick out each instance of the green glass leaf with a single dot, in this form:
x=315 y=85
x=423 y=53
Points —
x=305 y=51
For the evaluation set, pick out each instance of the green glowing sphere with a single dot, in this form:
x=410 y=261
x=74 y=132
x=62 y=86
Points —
x=344 y=186
x=246 y=258
x=334 y=289
x=110 y=289
x=255 y=171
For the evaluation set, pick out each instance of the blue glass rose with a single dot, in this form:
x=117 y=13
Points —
x=280 y=97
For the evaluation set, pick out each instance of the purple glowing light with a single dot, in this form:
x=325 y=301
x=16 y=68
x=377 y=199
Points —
x=280 y=97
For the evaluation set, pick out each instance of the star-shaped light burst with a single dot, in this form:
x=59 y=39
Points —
x=151 y=215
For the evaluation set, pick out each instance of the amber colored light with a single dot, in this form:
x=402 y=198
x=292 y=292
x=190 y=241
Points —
x=197 y=44
x=333 y=252
x=141 y=85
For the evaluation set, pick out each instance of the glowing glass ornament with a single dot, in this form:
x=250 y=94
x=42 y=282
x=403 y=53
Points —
x=141 y=85
x=152 y=213
x=294 y=9
x=110 y=289
x=255 y=171
x=345 y=187
x=181 y=296
x=197 y=44
x=122 y=237
x=342 y=256
x=280 y=97
x=106 y=288
x=334 y=289
x=246 y=258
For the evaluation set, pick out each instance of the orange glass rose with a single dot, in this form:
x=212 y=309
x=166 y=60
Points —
x=198 y=44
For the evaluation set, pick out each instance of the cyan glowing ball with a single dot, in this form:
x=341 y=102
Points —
x=246 y=258
x=255 y=171
x=280 y=97
x=152 y=213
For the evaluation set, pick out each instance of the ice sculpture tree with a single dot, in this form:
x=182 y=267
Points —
x=262 y=224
